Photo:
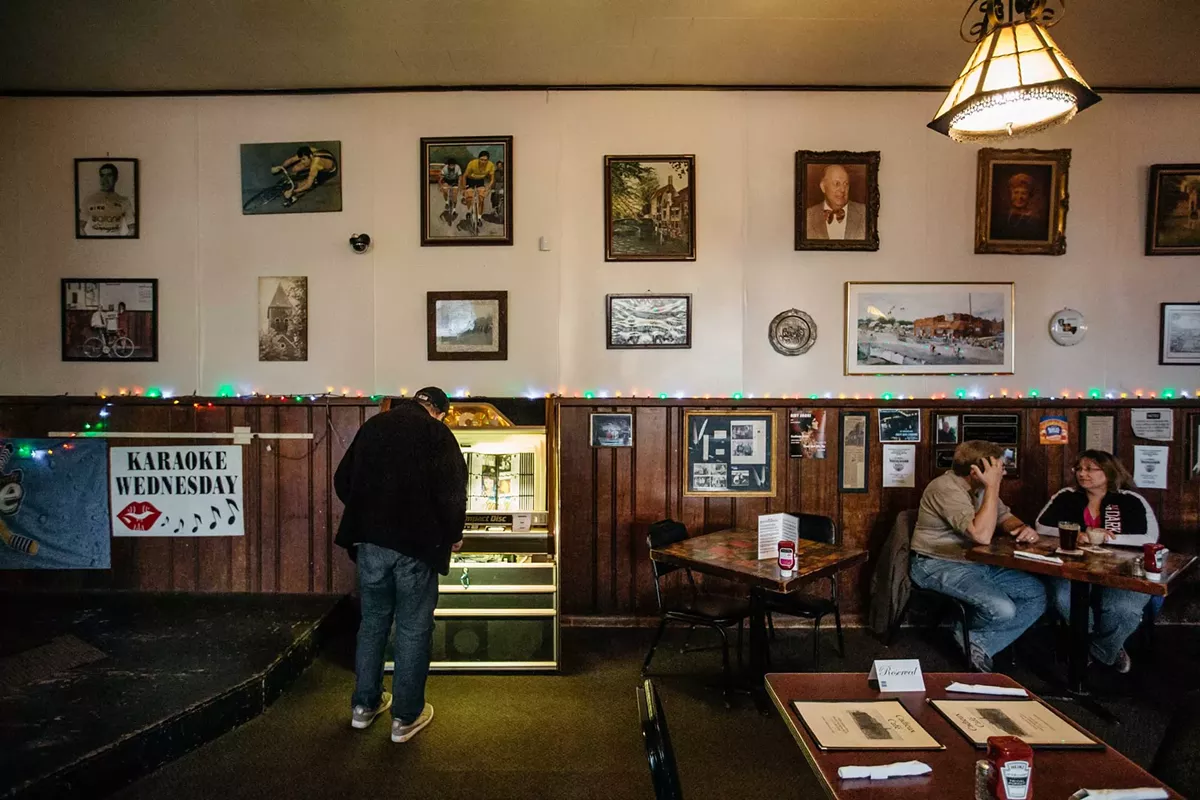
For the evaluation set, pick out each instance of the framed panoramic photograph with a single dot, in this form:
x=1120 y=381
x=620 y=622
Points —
x=648 y=321
x=467 y=326
x=1021 y=202
x=929 y=328
x=110 y=319
x=729 y=453
x=837 y=200
x=1173 y=217
x=283 y=319
x=466 y=190
x=1179 y=334
x=291 y=177
x=649 y=204
x=106 y=198
x=612 y=430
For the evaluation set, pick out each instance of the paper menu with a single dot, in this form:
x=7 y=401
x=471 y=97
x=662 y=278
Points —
x=772 y=529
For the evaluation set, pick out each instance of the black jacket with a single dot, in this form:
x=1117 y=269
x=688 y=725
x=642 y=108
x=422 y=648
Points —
x=1125 y=513
x=404 y=484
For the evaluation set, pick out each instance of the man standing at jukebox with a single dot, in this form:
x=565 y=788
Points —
x=404 y=484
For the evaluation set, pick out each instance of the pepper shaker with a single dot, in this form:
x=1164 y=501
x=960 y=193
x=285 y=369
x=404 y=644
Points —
x=1137 y=568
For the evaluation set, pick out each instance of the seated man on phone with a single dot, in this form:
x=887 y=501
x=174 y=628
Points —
x=959 y=510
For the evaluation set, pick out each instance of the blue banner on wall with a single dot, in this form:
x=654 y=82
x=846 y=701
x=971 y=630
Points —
x=54 y=504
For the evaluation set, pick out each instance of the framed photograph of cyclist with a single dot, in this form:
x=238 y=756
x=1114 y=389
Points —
x=291 y=177
x=466 y=190
x=837 y=200
x=106 y=198
x=649 y=208
x=109 y=319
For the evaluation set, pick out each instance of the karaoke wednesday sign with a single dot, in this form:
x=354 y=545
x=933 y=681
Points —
x=176 y=491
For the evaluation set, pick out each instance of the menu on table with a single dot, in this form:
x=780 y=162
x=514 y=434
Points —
x=863 y=725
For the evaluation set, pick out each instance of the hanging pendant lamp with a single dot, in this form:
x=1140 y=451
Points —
x=1017 y=81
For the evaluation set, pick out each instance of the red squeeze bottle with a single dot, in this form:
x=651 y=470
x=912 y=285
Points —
x=1011 y=776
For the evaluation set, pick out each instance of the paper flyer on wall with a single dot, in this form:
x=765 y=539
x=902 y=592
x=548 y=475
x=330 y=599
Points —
x=1150 y=466
x=806 y=433
x=899 y=466
x=1156 y=424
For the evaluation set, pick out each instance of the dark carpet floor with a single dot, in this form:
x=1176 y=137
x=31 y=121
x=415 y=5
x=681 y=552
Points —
x=576 y=735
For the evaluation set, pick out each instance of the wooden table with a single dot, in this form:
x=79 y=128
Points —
x=1056 y=773
x=733 y=554
x=1112 y=568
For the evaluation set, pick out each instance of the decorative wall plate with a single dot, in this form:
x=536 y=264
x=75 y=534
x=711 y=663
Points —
x=792 y=332
x=1067 y=327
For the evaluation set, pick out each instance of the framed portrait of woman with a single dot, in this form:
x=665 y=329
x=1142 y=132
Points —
x=1021 y=202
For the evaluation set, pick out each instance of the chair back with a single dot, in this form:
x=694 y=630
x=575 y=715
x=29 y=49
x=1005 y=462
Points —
x=817 y=528
x=1175 y=763
x=662 y=533
x=659 y=754
x=905 y=524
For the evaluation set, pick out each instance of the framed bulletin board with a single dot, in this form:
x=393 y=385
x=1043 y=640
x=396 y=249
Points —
x=729 y=454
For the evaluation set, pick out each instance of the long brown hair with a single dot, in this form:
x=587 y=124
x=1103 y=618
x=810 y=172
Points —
x=1118 y=477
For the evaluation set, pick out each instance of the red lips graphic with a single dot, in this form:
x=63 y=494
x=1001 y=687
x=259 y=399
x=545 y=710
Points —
x=139 y=516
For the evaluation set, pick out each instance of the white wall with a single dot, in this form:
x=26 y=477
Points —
x=367 y=312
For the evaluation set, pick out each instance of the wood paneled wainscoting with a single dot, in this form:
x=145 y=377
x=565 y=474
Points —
x=609 y=496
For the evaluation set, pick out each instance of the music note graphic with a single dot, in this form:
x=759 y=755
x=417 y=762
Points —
x=213 y=526
x=199 y=521
x=178 y=527
x=22 y=544
x=233 y=509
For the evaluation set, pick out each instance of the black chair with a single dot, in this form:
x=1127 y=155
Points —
x=1175 y=763
x=695 y=609
x=813 y=528
x=659 y=753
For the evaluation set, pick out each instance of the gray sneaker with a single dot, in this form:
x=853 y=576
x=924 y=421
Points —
x=402 y=732
x=1123 y=663
x=362 y=717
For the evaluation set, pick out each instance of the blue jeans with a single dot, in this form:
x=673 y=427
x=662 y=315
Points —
x=394 y=586
x=1004 y=602
x=1120 y=615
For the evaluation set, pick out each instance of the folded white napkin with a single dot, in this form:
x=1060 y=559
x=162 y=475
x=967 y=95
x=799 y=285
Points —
x=1037 y=556
x=1147 y=793
x=979 y=688
x=883 y=771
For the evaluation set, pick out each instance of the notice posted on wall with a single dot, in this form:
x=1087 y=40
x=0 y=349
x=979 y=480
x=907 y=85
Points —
x=177 y=491
x=1150 y=466
x=1156 y=424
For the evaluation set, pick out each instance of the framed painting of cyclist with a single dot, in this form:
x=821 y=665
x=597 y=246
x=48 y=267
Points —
x=837 y=200
x=109 y=319
x=106 y=198
x=291 y=177
x=649 y=208
x=466 y=190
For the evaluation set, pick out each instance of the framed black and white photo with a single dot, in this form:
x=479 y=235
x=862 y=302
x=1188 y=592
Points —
x=612 y=430
x=467 y=326
x=106 y=198
x=1179 y=334
x=283 y=319
x=947 y=429
x=854 y=452
x=899 y=425
x=109 y=319
x=648 y=321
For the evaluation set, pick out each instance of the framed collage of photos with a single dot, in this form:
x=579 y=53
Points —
x=730 y=453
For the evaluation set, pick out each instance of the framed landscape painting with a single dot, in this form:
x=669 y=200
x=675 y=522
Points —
x=649 y=321
x=1021 y=202
x=467 y=326
x=1179 y=334
x=837 y=200
x=466 y=190
x=649 y=208
x=929 y=328
x=1173 y=218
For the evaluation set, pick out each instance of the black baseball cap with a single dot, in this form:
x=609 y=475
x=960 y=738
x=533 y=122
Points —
x=435 y=397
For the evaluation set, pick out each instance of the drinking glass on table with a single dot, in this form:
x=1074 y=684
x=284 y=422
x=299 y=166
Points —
x=1068 y=535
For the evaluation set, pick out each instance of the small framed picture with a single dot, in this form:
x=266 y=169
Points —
x=612 y=430
x=106 y=198
x=109 y=319
x=837 y=200
x=466 y=190
x=947 y=429
x=1179 y=334
x=1098 y=431
x=649 y=321
x=283 y=319
x=291 y=177
x=467 y=326
x=899 y=425
x=1173 y=218
x=649 y=208
x=854 y=452
x=1021 y=202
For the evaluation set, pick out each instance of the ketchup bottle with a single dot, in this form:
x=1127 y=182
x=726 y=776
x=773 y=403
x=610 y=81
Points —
x=1011 y=773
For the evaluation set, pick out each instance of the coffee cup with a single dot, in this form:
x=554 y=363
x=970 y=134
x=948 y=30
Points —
x=1068 y=535
x=1097 y=536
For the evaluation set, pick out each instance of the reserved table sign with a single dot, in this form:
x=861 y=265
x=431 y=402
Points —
x=898 y=675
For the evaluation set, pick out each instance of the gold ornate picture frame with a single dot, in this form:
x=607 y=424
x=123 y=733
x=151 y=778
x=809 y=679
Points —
x=1021 y=202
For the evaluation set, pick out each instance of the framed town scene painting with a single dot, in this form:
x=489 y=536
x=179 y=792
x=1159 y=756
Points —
x=283 y=319
x=114 y=319
x=1021 y=202
x=467 y=190
x=649 y=321
x=106 y=198
x=929 y=328
x=837 y=200
x=1179 y=334
x=649 y=204
x=291 y=177
x=467 y=326
x=1173 y=218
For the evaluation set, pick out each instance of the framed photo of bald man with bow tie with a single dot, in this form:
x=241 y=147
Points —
x=837 y=200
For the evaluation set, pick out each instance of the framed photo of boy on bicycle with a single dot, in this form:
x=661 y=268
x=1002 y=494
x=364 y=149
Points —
x=291 y=177
x=466 y=190
x=110 y=319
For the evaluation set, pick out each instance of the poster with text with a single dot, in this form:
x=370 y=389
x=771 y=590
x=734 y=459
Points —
x=177 y=491
x=53 y=504
x=806 y=433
